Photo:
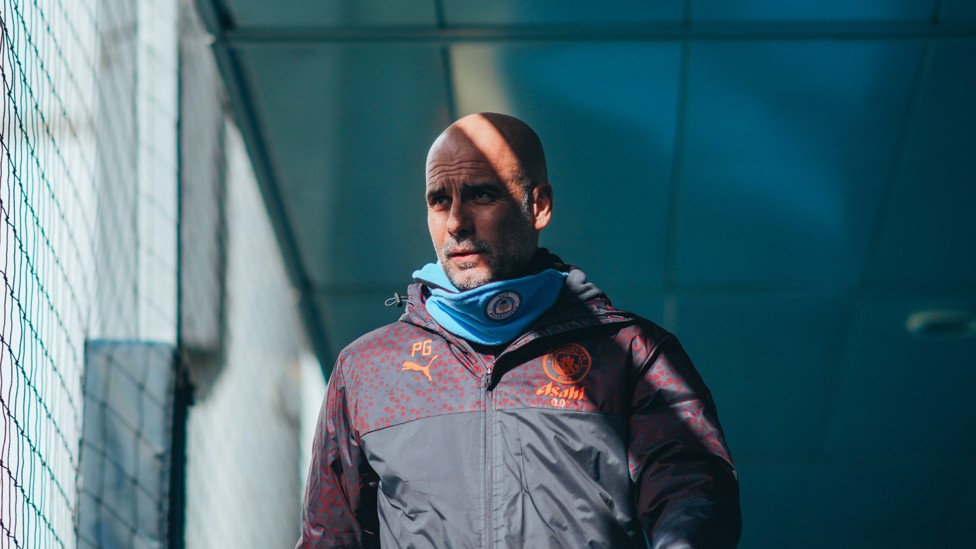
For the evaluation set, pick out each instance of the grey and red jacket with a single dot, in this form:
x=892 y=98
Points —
x=592 y=429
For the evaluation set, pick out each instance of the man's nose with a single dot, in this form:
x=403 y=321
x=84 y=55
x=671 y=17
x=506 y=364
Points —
x=458 y=219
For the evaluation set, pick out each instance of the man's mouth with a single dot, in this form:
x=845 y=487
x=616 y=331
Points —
x=463 y=258
x=465 y=254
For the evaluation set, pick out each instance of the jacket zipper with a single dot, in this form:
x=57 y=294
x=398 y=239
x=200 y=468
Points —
x=489 y=392
x=489 y=459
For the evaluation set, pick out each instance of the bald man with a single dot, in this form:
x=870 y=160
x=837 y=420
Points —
x=512 y=405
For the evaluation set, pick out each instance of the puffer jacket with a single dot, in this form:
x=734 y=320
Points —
x=592 y=429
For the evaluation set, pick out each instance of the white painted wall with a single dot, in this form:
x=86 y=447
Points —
x=243 y=438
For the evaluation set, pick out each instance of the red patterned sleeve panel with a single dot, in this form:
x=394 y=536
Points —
x=333 y=493
x=678 y=457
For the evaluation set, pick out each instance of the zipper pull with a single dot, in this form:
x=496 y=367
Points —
x=488 y=379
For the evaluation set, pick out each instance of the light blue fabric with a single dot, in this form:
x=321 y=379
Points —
x=494 y=313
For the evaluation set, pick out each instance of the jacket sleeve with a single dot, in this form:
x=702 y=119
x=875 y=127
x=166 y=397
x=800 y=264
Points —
x=687 y=487
x=340 y=495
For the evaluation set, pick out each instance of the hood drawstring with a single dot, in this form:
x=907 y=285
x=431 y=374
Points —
x=397 y=300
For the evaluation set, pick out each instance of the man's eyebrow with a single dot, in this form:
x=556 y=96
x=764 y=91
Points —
x=474 y=187
x=434 y=190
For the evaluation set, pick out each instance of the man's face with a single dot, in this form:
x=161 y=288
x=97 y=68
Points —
x=480 y=218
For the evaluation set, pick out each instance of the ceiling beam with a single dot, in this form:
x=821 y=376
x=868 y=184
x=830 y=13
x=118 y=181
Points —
x=831 y=30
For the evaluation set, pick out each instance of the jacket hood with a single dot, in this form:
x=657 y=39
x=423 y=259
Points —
x=578 y=287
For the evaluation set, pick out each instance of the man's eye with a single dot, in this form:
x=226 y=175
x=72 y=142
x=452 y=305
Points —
x=438 y=200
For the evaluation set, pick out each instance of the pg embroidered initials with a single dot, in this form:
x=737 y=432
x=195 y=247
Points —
x=424 y=347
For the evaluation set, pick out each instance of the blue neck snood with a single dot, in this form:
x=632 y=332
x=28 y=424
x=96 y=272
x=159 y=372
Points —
x=492 y=314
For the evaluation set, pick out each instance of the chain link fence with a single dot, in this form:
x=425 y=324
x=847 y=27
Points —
x=150 y=348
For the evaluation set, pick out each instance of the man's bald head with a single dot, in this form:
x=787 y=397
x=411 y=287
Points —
x=488 y=197
x=509 y=144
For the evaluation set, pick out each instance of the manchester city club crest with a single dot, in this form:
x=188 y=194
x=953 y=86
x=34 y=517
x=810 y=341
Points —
x=503 y=305
x=568 y=364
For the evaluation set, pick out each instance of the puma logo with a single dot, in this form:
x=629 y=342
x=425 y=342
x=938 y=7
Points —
x=408 y=365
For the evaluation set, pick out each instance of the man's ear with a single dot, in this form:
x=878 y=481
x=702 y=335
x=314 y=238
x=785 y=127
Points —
x=541 y=205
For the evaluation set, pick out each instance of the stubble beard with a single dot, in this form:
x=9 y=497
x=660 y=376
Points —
x=504 y=261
